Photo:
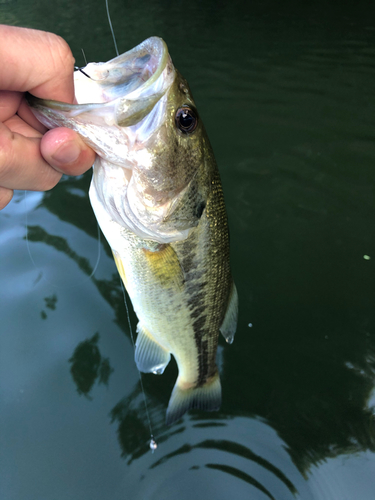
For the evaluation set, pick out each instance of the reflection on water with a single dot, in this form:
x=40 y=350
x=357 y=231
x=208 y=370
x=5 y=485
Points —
x=315 y=430
x=252 y=462
x=132 y=423
x=50 y=303
x=36 y=233
x=237 y=449
x=287 y=97
x=87 y=365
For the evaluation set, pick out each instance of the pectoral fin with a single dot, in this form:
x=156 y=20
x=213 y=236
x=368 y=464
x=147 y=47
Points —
x=165 y=267
x=228 y=328
x=150 y=357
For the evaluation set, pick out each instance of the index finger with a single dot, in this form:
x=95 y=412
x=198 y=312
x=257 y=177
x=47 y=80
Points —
x=36 y=61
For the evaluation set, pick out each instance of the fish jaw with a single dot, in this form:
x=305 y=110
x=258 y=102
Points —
x=119 y=103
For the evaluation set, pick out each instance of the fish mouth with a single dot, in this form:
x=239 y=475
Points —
x=120 y=92
x=120 y=102
x=128 y=73
x=132 y=81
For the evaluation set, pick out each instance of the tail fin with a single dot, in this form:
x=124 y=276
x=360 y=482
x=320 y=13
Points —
x=207 y=397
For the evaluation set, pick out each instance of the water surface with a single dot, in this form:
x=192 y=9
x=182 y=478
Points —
x=287 y=96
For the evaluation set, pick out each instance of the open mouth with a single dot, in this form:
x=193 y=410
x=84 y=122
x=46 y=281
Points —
x=129 y=74
x=133 y=82
x=119 y=92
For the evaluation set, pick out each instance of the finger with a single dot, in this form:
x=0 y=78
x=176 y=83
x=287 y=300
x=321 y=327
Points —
x=46 y=70
x=28 y=116
x=5 y=196
x=21 y=164
x=12 y=103
x=16 y=124
x=9 y=103
x=66 y=152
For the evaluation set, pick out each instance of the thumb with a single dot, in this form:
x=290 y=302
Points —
x=66 y=152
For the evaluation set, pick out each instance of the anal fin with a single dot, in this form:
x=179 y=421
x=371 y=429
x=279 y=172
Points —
x=150 y=357
x=229 y=325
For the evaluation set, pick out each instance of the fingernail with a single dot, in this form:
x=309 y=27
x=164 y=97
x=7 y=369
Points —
x=67 y=153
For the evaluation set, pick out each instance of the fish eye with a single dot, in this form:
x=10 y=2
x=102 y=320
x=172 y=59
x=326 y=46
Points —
x=186 y=119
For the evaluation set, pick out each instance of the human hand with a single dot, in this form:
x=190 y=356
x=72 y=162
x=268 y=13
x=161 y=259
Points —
x=31 y=157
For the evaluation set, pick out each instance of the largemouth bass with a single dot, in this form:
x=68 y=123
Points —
x=157 y=196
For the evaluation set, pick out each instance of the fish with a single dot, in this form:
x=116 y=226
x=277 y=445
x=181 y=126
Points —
x=158 y=199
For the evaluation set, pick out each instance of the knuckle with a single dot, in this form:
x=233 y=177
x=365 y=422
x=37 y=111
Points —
x=6 y=155
x=62 y=53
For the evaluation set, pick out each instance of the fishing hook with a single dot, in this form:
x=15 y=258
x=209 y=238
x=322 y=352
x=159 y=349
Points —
x=81 y=70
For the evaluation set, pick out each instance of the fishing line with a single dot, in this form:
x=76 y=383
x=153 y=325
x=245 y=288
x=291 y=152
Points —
x=65 y=287
x=84 y=57
x=110 y=25
x=153 y=443
x=77 y=68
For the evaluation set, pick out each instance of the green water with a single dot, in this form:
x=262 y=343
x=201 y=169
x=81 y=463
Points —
x=286 y=91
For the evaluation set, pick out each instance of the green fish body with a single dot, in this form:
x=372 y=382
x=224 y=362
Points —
x=157 y=196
